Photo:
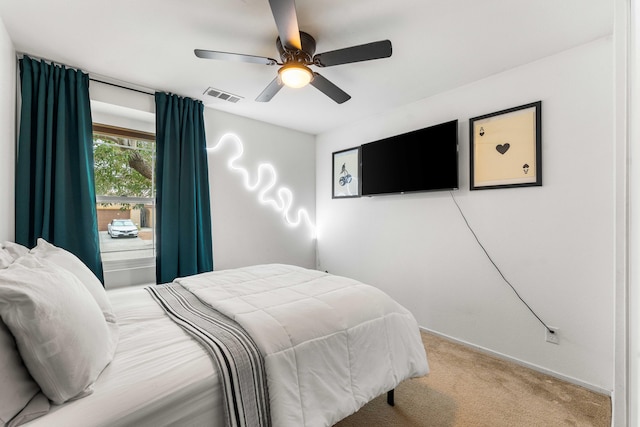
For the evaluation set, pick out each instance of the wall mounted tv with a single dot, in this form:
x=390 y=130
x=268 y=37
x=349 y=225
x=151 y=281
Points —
x=421 y=160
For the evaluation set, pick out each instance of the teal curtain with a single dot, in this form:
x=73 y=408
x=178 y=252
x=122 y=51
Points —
x=55 y=190
x=183 y=218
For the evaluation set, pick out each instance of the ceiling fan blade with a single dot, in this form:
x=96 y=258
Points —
x=271 y=90
x=238 y=57
x=363 y=52
x=284 y=13
x=329 y=89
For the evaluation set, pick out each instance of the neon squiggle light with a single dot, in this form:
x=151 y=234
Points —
x=265 y=180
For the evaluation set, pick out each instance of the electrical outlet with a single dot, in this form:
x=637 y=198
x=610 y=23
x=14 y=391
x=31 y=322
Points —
x=551 y=335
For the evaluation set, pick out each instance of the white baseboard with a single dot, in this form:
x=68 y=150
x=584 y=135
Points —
x=536 y=368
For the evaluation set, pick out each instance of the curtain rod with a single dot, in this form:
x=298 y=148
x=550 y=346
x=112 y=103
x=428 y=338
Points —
x=93 y=76
x=121 y=86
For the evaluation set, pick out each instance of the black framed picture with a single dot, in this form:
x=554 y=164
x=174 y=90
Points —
x=506 y=148
x=346 y=173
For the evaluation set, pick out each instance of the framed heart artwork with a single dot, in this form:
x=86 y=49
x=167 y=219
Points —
x=506 y=148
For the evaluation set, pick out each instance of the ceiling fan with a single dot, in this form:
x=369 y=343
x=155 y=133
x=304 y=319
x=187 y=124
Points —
x=296 y=49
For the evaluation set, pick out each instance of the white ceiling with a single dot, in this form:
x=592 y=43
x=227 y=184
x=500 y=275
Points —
x=437 y=45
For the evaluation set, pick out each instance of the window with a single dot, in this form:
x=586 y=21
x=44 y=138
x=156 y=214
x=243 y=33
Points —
x=124 y=169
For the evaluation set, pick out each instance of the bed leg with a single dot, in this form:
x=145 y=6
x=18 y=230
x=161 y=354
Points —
x=390 y=398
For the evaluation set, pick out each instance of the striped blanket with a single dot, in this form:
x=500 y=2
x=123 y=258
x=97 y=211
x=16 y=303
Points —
x=239 y=361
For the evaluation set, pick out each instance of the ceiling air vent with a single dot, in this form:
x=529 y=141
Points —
x=225 y=96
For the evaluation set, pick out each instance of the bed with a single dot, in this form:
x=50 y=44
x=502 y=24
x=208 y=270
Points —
x=328 y=344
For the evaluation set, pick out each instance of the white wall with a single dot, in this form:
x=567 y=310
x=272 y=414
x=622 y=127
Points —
x=246 y=231
x=554 y=243
x=633 y=375
x=7 y=135
x=624 y=397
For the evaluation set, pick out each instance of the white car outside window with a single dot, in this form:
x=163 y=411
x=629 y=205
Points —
x=122 y=228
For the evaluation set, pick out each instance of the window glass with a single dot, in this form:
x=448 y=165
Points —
x=124 y=169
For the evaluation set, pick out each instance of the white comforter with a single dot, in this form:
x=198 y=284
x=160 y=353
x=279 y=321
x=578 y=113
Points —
x=330 y=344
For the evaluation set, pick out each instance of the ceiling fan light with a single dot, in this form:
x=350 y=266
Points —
x=295 y=75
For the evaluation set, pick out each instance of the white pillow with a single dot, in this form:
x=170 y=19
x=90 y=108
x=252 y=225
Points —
x=17 y=387
x=5 y=258
x=69 y=261
x=58 y=327
x=16 y=250
x=37 y=407
x=9 y=252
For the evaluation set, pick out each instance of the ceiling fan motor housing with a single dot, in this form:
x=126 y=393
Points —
x=305 y=55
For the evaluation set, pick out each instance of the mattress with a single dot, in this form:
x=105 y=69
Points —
x=159 y=375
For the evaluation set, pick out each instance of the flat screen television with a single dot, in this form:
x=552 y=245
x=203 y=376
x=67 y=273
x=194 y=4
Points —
x=421 y=160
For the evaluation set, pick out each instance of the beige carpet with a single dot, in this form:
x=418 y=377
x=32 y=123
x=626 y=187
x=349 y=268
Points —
x=469 y=388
